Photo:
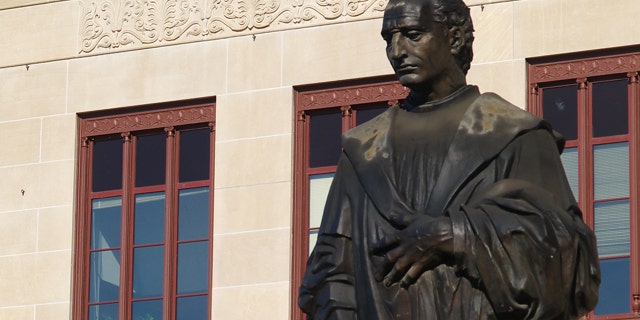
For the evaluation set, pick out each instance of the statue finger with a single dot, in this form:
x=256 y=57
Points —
x=382 y=246
x=387 y=264
x=412 y=274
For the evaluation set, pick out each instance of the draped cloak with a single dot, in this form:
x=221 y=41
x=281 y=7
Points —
x=521 y=249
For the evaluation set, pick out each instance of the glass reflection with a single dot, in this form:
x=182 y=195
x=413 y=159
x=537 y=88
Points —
x=148 y=272
x=610 y=108
x=570 y=163
x=193 y=267
x=324 y=139
x=151 y=160
x=560 y=109
x=104 y=276
x=106 y=216
x=611 y=170
x=319 y=185
x=614 y=293
x=147 y=310
x=612 y=228
x=193 y=214
x=192 y=308
x=195 y=155
x=149 y=218
x=107 y=165
x=103 y=312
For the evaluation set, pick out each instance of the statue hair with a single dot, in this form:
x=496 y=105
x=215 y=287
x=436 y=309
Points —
x=455 y=13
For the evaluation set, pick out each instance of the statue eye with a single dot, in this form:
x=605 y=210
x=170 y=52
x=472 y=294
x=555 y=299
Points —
x=413 y=35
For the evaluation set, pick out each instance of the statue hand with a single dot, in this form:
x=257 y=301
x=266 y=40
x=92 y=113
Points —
x=424 y=244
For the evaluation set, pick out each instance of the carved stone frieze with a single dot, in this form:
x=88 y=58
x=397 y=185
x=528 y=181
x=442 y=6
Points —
x=583 y=68
x=129 y=24
x=390 y=91
x=147 y=120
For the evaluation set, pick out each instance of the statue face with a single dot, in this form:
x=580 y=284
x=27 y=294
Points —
x=417 y=47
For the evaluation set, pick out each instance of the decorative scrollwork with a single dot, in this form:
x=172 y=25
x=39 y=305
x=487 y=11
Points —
x=588 y=67
x=129 y=24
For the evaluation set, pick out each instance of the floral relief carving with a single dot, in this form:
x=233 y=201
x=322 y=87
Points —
x=364 y=94
x=128 y=24
x=590 y=67
x=147 y=120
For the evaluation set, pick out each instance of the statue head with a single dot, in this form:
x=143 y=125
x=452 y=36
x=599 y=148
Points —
x=428 y=41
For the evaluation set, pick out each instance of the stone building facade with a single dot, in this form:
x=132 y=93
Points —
x=62 y=61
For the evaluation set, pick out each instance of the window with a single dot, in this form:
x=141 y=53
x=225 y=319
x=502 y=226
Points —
x=323 y=112
x=594 y=102
x=143 y=223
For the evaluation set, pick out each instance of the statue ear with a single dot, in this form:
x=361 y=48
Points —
x=456 y=39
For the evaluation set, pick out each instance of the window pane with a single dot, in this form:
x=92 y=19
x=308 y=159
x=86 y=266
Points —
x=106 y=216
x=151 y=160
x=195 y=154
x=560 y=108
x=104 y=276
x=193 y=267
x=365 y=114
x=313 y=238
x=193 y=214
x=570 y=163
x=612 y=228
x=107 y=165
x=324 y=139
x=149 y=218
x=610 y=104
x=611 y=170
x=319 y=185
x=192 y=308
x=148 y=272
x=147 y=310
x=614 y=293
x=103 y=312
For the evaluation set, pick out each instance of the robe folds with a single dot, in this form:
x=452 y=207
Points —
x=521 y=249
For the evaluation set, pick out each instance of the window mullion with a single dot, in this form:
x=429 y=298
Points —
x=81 y=265
x=348 y=121
x=585 y=154
x=126 y=251
x=634 y=185
x=169 y=295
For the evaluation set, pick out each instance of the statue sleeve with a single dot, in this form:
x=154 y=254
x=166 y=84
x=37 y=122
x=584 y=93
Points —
x=327 y=290
x=522 y=239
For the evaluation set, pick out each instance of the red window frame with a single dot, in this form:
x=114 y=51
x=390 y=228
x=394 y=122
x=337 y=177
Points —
x=345 y=97
x=170 y=118
x=585 y=69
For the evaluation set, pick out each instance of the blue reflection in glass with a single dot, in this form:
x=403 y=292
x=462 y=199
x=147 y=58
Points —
x=148 y=270
x=103 y=312
x=193 y=214
x=147 y=310
x=104 y=276
x=611 y=170
x=106 y=222
x=614 y=289
x=570 y=163
x=193 y=267
x=149 y=216
x=192 y=308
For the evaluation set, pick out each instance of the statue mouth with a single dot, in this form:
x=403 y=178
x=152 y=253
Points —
x=406 y=69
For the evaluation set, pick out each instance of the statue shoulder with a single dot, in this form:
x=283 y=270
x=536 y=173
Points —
x=490 y=112
x=372 y=130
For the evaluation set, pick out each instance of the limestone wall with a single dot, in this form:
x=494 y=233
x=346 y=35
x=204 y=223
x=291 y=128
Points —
x=50 y=70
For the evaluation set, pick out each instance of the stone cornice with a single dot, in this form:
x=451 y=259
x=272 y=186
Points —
x=117 y=25
x=557 y=71
x=148 y=120
x=389 y=91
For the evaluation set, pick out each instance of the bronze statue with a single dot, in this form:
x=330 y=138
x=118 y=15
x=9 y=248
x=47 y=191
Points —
x=454 y=205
